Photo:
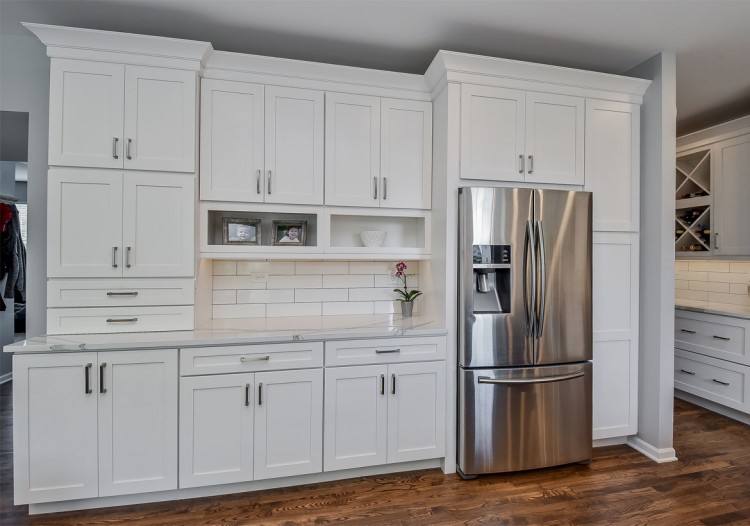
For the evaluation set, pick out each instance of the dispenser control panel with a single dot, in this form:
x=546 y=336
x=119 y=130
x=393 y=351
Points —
x=491 y=254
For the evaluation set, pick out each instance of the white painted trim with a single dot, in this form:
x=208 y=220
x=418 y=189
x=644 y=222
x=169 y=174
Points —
x=612 y=441
x=719 y=132
x=713 y=406
x=658 y=455
x=210 y=491
x=7 y=377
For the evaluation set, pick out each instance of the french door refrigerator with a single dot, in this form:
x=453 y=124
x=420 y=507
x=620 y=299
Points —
x=525 y=333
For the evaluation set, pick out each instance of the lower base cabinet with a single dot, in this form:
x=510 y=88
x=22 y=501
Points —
x=382 y=414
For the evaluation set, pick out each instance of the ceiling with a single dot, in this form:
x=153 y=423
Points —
x=710 y=37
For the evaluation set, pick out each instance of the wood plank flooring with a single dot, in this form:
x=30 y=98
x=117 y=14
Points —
x=710 y=485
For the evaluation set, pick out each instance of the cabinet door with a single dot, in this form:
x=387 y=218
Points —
x=613 y=163
x=731 y=197
x=492 y=133
x=54 y=427
x=416 y=411
x=554 y=139
x=352 y=150
x=216 y=429
x=86 y=113
x=231 y=141
x=406 y=154
x=615 y=323
x=137 y=421
x=356 y=416
x=158 y=225
x=84 y=223
x=294 y=146
x=160 y=116
x=288 y=423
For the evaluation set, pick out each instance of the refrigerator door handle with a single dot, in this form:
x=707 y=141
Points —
x=529 y=244
x=541 y=380
x=542 y=279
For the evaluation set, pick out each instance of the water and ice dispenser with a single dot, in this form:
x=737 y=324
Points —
x=492 y=273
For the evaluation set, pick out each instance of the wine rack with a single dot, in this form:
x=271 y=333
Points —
x=693 y=203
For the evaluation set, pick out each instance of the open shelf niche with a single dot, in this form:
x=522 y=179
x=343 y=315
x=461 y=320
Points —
x=693 y=203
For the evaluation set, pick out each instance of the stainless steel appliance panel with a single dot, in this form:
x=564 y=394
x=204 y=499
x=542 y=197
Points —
x=524 y=418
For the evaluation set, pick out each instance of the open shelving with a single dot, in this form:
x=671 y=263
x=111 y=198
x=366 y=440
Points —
x=693 y=203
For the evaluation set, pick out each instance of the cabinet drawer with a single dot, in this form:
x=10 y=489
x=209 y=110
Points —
x=386 y=350
x=100 y=320
x=723 y=382
x=717 y=336
x=119 y=292
x=248 y=358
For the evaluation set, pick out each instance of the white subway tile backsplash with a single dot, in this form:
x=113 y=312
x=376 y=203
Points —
x=342 y=281
x=681 y=265
x=691 y=276
x=708 y=266
x=729 y=277
x=313 y=295
x=224 y=297
x=388 y=307
x=734 y=299
x=740 y=267
x=266 y=296
x=739 y=288
x=224 y=268
x=372 y=294
x=715 y=282
x=321 y=267
x=386 y=280
x=371 y=267
x=293 y=309
x=265 y=267
x=681 y=284
x=295 y=282
x=248 y=310
x=238 y=282
x=710 y=286
x=348 y=308
x=699 y=295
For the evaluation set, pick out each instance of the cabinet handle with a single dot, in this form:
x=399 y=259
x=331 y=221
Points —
x=385 y=188
x=257 y=183
x=521 y=163
x=124 y=293
x=127 y=256
x=722 y=338
x=127 y=150
x=687 y=331
x=720 y=382
x=265 y=358
x=260 y=393
x=102 y=389
x=122 y=320
x=87 y=379
x=114 y=257
x=386 y=351
x=531 y=164
x=247 y=395
x=716 y=240
x=115 y=140
x=375 y=188
x=382 y=384
x=269 y=182
x=691 y=373
x=393 y=383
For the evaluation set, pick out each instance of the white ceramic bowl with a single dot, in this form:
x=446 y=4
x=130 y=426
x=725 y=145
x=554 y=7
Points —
x=372 y=238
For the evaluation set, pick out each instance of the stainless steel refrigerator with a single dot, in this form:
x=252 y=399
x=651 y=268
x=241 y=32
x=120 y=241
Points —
x=525 y=336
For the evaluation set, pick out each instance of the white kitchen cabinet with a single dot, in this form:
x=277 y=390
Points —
x=613 y=164
x=288 y=423
x=158 y=235
x=84 y=223
x=731 y=196
x=294 y=145
x=352 y=150
x=405 y=154
x=493 y=123
x=554 y=139
x=216 y=429
x=416 y=411
x=86 y=113
x=356 y=417
x=232 y=141
x=54 y=427
x=137 y=421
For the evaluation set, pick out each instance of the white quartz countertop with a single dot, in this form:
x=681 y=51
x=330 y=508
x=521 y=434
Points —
x=241 y=331
x=721 y=309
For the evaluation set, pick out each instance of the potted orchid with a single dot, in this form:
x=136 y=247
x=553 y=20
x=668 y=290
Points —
x=407 y=296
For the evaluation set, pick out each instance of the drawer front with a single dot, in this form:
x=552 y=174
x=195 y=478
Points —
x=249 y=358
x=102 y=320
x=716 y=336
x=119 y=292
x=723 y=382
x=385 y=350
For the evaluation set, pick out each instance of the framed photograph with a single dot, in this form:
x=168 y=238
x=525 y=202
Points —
x=241 y=231
x=290 y=233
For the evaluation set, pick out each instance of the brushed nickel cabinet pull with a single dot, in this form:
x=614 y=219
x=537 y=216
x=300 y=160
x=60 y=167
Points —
x=722 y=338
x=531 y=164
x=387 y=351
x=385 y=188
x=382 y=384
x=257 y=183
x=260 y=393
x=87 y=379
x=265 y=358
x=720 y=382
x=114 y=257
x=687 y=331
x=393 y=383
x=521 y=163
x=247 y=395
x=102 y=389
x=269 y=182
x=115 y=140
x=127 y=150
x=691 y=373
x=127 y=256
x=123 y=293
x=716 y=240
x=375 y=188
x=122 y=320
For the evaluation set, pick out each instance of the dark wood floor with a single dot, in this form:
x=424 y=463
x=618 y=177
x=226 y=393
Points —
x=710 y=485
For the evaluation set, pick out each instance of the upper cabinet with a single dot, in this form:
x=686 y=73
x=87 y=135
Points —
x=511 y=135
x=107 y=115
x=731 y=196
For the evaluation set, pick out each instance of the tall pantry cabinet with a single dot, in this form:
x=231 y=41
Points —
x=122 y=180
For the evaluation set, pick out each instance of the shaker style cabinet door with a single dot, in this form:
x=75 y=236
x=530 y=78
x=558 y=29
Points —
x=356 y=417
x=137 y=421
x=406 y=154
x=86 y=113
x=731 y=197
x=294 y=145
x=160 y=119
x=352 y=149
x=84 y=223
x=54 y=431
x=613 y=164
x=288 y=423
x=216 y=429
x=416 y=411
x=159 y=225
x=232 y=141
x=492 y=133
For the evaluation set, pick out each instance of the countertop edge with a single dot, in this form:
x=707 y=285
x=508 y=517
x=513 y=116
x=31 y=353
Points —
x=716 y=311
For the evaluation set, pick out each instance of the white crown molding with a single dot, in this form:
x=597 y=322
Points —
x=717 y=133
x=94 y=44
x=452 y=66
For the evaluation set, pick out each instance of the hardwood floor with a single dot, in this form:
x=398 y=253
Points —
x=710 y=485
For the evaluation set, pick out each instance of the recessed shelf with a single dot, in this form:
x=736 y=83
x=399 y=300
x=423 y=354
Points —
x=693 y=202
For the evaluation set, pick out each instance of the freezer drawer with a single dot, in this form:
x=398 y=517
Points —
x=524 y=418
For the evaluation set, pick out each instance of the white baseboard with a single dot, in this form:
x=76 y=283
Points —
x=660 y=455
x=713 y=406
x=7 y=377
